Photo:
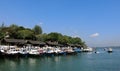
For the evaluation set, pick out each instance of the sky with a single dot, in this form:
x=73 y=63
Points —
x=97 y=22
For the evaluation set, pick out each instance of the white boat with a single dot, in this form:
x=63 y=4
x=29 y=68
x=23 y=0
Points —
x=34 y=52
x=110 y=50
x=23 y=51
x=12 y=51
x=97 y=52
x=87 y=49
x=77 y=49
x=50 y=51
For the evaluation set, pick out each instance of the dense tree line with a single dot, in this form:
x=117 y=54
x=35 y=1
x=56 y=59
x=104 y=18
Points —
x=20 y=32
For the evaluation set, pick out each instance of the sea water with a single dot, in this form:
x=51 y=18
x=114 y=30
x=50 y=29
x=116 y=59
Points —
x=91 y=61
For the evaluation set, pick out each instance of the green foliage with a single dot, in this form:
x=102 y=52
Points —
x=25 y=34
x=37 y=30
x=53 y=36
x=16 y=32
x=64 y=39
x=2 y=35
x=13 y=31
x=20 y=32
x=41 y=37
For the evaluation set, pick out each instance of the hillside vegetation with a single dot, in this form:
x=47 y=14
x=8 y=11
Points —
x=19 y=32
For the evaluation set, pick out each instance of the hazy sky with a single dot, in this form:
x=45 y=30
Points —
x=97 y=22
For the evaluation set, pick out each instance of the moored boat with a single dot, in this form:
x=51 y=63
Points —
x=77 y=50
x=33 y=53
x=87 y=49
x=109 y=50
x=10 y=53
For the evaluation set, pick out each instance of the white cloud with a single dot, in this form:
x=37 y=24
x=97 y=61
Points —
x=41 y=23
x=76 y=36
x=94 y=35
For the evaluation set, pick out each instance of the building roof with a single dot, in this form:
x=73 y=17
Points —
x=21 y=41
x=17 y=41
x=52 y=43
x=35 y=42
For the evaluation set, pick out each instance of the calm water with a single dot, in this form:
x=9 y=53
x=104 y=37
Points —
x=102 y=61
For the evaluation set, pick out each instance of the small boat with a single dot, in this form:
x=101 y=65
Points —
x=58 y=51
x=23 y=53
x=10 y=53
x=97 y=52
x=70 y=51
x=77 y=50
x=105 y=49
x=87 y=49
x=110 y=50
x=34 y=53
x=50 y=52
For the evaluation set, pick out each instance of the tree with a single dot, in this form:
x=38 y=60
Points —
x=37 y=30
x=76 y=40
x=41 y=37
x=53 y=36
x=20 y=32
x=25 y=34
x=1 y=32
x=14 y=26
x=63 y=40
x=2 y=35
x=13 y=31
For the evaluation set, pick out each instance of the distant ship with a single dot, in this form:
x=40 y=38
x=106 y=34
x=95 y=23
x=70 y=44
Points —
x=109 y=50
